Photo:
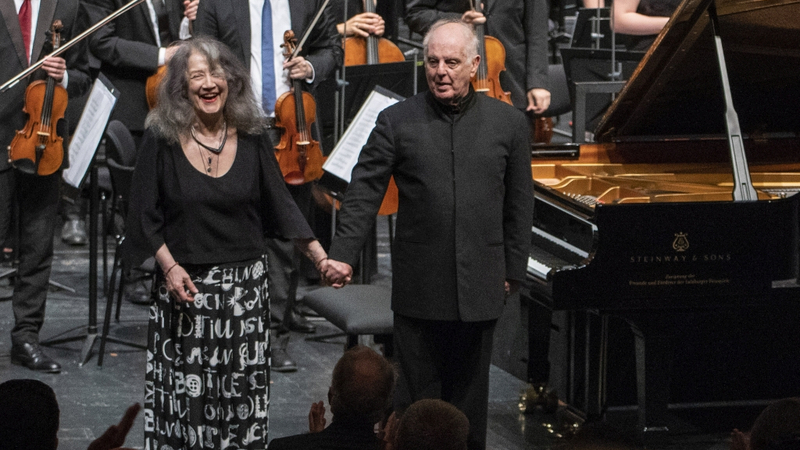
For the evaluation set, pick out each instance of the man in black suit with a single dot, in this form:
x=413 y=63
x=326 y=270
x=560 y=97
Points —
x=461 y=162
x=360 y=393
x=131 y=48
x=520 y=25
x=36 y=197
x=239 y=24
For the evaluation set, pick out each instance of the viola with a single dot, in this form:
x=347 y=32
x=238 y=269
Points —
x=151 y=86
x=372 y=49
x=493 y=61
x=487 y=79
x=299 y=156
x=37 y=149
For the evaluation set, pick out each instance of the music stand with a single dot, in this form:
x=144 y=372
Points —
x=398 y=77
x=592 y=28
x=83 y=148
x=583 y=65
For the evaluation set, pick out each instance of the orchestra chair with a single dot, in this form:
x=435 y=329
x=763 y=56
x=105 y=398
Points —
x=121 y=159
x=560 y=103
x=357 y=309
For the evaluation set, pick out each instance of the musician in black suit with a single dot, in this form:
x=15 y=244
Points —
x=461 y=162
x=520 y=25
x=239 y=24
x=131 y=48
x=35 y=196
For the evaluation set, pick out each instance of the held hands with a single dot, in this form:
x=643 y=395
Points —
x=316 y=417
x=179 y=284
x=335 y=273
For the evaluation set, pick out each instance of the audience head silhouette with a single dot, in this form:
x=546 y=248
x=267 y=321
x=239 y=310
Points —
x=362 y=385
x=29 y=415
x=432 y=424
x=777 y=427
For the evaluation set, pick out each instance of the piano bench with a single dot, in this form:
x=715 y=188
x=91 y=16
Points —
x=356 y=309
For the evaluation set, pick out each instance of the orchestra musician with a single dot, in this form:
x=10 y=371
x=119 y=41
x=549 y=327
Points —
x=34 y=197
x=358 y=23
x=461 y=162
x=642 y=20
x=240 y=25
x=132 y=47
x=520 y=25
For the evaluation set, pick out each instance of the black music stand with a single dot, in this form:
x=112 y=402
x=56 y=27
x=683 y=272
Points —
x=92 y=123
x=586 y=65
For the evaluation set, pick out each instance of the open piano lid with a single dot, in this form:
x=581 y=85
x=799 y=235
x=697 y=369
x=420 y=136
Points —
x=676 y=90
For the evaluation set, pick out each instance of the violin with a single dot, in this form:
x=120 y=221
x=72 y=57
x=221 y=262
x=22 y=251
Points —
x=151 y=86
x=299 y=156
x=37 y=149
x=493 y=61
x=487 y=79
x=372 y=49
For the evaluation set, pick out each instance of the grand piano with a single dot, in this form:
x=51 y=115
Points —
x=688 y=200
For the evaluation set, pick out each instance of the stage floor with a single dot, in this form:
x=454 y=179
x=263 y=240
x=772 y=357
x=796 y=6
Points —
x=92 y=398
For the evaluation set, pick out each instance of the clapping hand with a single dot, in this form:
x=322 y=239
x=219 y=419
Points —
x=316 y=417
x=115 y=435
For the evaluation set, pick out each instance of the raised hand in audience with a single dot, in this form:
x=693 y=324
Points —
x=316 y=417
x=115 y=435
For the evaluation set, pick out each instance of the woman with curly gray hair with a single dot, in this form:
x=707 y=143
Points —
x=206 y=191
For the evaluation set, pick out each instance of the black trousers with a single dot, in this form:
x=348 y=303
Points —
x=448 y=360
x=37 y=200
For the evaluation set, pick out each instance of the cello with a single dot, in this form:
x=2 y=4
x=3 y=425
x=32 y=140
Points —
x=298 y=155
x=37 y=149
x=372 y=49
x=375 y=50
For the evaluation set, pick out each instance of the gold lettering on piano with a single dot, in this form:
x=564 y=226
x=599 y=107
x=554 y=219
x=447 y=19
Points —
x=679 y=280
x=659 y=259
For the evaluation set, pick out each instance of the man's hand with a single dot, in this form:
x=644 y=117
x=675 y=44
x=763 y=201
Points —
x=190 y=9
x=316 y=417
x=473 y=18
x=115 y=435
x=538 y=100
x=363 y=25
x=299 y=68
x=170 y=52
x=55 y=68
x=336 y=273
x=511 y=287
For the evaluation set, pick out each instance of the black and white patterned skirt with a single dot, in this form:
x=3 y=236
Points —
x=207 y=379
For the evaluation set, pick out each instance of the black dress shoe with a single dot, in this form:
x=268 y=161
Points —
x=30 y=355
x=74 y=232
x=296 y=322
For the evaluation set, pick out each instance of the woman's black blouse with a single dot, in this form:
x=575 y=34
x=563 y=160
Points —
x=205 y=220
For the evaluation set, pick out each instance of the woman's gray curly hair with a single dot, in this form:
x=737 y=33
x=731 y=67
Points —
x=174 y=114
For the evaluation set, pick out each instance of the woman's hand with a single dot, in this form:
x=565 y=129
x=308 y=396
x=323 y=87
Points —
x=179 y=284
x=363 y=25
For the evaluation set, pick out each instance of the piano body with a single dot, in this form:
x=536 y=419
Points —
x=681 y=205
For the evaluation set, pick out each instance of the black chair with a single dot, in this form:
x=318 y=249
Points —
x=121 y=159
x=560 y=102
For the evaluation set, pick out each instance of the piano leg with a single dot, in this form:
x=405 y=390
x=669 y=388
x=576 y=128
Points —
x=654 y=351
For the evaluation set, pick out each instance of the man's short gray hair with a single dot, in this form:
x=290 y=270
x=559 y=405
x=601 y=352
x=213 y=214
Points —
x=471 y=49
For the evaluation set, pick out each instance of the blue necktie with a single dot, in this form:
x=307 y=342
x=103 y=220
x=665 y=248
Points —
x=267 y=60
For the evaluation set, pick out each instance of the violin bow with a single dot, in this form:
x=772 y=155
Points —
x=13 y=81
x=309 y=29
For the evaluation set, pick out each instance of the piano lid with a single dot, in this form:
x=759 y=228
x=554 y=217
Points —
x=676 y=89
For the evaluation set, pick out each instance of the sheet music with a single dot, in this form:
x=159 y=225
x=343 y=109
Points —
x=90 y=129
x=345 y=155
